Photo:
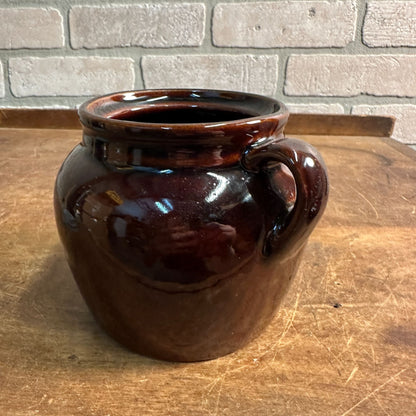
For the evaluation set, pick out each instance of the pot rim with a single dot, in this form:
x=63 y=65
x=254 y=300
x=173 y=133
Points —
x=99 y=112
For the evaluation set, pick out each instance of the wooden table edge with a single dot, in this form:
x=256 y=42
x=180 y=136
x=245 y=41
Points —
x=311 y=124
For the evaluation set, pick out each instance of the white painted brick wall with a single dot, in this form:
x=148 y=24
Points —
x=284 y=24
x=30 y=27
x=316 y=108
x=79 y=76
x=351 y=75
x=405 y=128
x=390 y=23
x=157 y=25
x=250 y=73
x=358 y=54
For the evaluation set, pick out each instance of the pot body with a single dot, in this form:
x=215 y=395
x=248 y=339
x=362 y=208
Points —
x=183 y=238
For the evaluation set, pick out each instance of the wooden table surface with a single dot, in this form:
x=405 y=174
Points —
x=342 y=344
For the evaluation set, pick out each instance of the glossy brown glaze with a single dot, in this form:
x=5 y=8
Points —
x=181 y=220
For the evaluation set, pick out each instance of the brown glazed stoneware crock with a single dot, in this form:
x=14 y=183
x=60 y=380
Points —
x=183 y=214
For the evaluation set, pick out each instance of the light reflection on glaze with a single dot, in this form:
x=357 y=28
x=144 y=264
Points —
x=219 y=189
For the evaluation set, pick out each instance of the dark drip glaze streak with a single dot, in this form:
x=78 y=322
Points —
x=182 y=237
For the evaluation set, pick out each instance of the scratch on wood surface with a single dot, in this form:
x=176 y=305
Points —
x=291 y=319
x=42 y=399
x=354 y=370
x=351 y=242
x=366 y=200
x=217 y=402
x=40 y=227
x=372 y=393
x=351 y=252
x=330 y=274
x=373 y=356
x=406 y=389
x=331 y=353
x=218 y=381
x=3 y=213
x=35 y=152
x=381 y=306
x=39 y=312
x=347 y=348
x=394 y=297
x=381 y=406
x=288 y=325
x=8 y=213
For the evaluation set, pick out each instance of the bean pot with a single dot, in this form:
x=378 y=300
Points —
x=183 y=214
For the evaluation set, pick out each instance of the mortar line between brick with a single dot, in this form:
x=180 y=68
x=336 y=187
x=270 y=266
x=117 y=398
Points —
x=361 y=15
x=67 y=29
x=6 y=84
x=283 y=57
x=135 y=51
x=208 y=34
x=138 y=62
x=8 y=80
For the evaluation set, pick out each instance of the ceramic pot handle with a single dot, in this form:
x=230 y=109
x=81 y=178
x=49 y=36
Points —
x=310 y=175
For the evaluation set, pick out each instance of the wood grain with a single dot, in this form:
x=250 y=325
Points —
x=39 y=118
x=342 y=344
x=335 y=124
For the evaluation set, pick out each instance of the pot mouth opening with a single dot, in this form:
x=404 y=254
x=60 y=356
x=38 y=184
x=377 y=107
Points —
x=178 y=109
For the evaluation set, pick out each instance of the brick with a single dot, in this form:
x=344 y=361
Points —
x=2 y=89
x=30 y=27
x=390 y=23
x=351 y=75
x=247 y=73
x=404 y=129
x=150 y=25
x=316 y=108
x=284 y=24
x=70 y=76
